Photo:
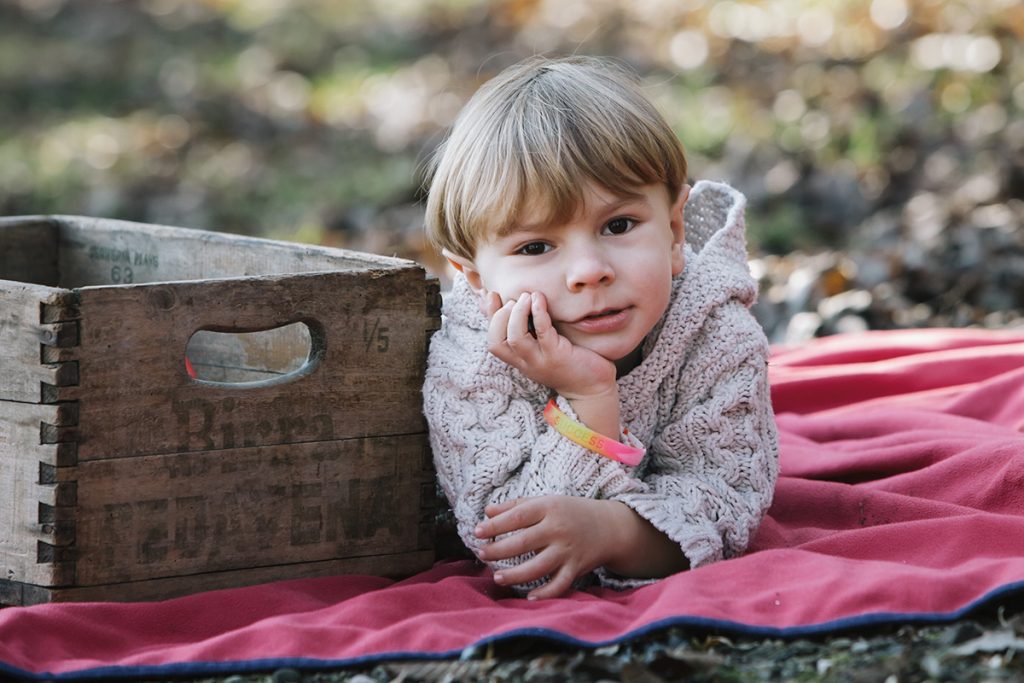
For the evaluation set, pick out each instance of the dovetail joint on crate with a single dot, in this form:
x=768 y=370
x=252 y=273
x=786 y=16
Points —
x=59 y=339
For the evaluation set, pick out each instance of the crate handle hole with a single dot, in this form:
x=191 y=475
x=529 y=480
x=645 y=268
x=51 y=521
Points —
x=252 y=358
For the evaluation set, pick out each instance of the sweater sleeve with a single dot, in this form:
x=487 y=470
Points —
x=490 y=441
x=711 y=469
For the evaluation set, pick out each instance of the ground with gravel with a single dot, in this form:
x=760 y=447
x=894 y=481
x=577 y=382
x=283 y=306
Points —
x=989 y=646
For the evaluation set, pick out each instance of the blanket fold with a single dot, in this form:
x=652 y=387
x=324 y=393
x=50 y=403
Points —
x=901 y=498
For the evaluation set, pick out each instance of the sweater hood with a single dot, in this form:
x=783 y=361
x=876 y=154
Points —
x=716 y=273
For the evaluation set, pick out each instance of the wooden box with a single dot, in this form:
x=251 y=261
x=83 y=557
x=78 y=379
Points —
x=290 y=444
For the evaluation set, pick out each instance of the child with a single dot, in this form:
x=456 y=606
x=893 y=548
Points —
x=559 y=198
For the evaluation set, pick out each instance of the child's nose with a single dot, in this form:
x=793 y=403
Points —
x=588 y=268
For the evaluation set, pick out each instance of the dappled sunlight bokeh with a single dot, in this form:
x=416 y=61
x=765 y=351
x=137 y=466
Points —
x=881 y=143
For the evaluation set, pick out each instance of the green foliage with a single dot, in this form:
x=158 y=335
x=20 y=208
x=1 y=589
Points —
x=288 y=117
x=781 y=229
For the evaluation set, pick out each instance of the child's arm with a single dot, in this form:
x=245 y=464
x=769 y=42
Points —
x=488 y=435
x=569 y=537
x=521 y=333
x=712 y=468
x=712 y=472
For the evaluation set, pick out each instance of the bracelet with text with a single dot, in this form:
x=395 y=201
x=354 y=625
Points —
x=589 y=439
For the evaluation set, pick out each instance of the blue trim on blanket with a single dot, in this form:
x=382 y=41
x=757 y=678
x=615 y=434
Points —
x=715 y=625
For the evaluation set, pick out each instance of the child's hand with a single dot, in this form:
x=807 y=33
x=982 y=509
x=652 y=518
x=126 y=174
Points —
x=522 y=334
x=570 y=536
x=490 y=302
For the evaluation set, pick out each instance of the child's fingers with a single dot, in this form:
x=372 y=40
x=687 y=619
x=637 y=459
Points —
x=497 y=332
x=495 y=509
x=490 y=303
x=537 y=567
x=513 y=519
x=519 y=321
x=512 y=545
x=543 y=326
x=557 y=585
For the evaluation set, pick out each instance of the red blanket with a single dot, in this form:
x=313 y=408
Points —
x=900 y=499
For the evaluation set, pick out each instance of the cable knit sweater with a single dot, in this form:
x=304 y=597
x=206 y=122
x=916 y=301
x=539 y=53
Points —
x=698 y=401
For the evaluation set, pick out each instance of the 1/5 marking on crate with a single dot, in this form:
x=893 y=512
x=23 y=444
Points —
x=377 y=333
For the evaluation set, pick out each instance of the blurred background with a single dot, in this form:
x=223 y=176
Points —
x=881 y=143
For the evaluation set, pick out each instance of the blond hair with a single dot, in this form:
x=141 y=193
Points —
x=539 y=132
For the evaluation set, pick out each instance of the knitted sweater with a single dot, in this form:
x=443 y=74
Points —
x=698 y=401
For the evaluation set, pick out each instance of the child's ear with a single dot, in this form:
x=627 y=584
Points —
x=466 y=267
x=678 y=225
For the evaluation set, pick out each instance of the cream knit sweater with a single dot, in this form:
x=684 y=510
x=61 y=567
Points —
x=699 y=402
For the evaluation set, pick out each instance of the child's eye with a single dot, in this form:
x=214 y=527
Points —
x=618 y=226
x=534 y=249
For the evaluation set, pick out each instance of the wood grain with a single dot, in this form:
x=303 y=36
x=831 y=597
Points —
x=28 y=250
x=122 y=477
x=35 y=500
x=96 y=251
x=191 y=513
x=365 y=377
x=397 y=565
x=24 y=339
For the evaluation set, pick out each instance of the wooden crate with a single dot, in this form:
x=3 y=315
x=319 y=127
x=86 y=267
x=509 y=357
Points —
x=299 y=451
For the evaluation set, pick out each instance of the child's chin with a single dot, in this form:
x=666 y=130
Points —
x=623 y=360
x=610 y=355
x=612 y=352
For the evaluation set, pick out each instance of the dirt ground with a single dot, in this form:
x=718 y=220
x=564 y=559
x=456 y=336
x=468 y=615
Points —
x=987 y=646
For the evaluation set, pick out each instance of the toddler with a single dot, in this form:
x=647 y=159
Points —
x=597 y=395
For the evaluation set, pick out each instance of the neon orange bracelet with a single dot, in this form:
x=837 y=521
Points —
x=589 y=439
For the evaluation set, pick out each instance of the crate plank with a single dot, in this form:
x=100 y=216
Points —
x=396 y=565
x=102 y=252
x=136 y=397
x=24 y=336
x=33 y=513
x=28 y=250
x=189 y=513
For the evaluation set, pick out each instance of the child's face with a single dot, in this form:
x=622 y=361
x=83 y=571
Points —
x=606 y=272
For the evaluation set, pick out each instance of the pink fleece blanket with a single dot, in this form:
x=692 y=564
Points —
x=901 y=499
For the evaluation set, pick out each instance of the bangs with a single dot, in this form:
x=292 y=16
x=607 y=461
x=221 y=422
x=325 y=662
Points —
x=541 y=162
x=535 y=141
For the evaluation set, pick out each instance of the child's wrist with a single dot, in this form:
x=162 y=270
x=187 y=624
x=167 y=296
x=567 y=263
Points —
x=618 y=520
x=594 y=441
x=607 y=392
x=599 y=411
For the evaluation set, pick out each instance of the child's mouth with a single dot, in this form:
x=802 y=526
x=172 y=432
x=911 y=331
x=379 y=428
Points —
x=602 y=314
x=607 y=320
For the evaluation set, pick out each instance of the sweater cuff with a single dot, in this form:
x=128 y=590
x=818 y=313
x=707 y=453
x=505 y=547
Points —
x=700 y=544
